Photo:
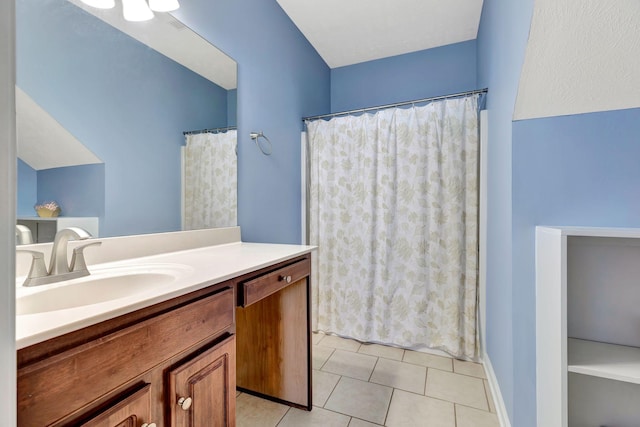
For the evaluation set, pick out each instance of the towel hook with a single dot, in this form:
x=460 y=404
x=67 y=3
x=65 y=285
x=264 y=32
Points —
x=256 y=136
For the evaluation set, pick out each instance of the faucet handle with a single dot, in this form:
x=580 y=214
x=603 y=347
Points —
x=78 y=262
x=38 y=267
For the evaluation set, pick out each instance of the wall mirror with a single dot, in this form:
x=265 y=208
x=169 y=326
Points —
x=101 y=114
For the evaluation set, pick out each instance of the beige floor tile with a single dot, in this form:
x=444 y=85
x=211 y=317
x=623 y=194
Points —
x=428 y=360
x=354 y=365
x=487 y=390
x=317 y=337
x=360 y=399
x=317 y=417
x=341 y=343
x=470 y=417
x=382 y=351
x=400 y=375
x=323 y=385
x=456 y=388
x=320 y=355
x=252 y=411
x=408 y=409
x=468 y=368
x=359 y=423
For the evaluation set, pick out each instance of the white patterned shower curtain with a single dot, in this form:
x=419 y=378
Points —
x=393 y=208
x=210 y=186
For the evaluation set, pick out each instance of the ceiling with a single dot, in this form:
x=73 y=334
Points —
x=349 y=32
x=582 y=55
x=33 y=126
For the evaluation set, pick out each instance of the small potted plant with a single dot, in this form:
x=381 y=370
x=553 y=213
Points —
x=47 y=209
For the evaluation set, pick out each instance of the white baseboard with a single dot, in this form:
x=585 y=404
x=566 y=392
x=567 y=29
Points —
x=501 y=409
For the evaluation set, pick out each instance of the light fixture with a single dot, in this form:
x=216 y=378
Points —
x=100 y=4
x=136 y=10
x=163 y=5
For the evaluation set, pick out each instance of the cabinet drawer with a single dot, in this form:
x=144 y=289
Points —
x=50 y=389
x=131 y=411
x=256 y=289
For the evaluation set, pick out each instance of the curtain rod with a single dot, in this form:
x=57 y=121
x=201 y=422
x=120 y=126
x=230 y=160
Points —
x=397 y=104
x=213 y=130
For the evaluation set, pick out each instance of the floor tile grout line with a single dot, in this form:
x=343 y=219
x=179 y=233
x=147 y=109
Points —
x=386 y=415
x=327 y=359
x=452 y=371
x=373 y=370
x=455 y=415
x=283 y=415
x=332 y=390
x=440 y=399
x=426 y=379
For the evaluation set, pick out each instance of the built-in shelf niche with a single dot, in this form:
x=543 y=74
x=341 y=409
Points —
x=588 y=327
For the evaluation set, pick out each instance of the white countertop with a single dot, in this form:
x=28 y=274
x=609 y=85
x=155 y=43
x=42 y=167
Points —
x=199 y=268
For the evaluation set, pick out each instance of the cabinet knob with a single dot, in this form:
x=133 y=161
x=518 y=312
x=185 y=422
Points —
x=148 y=425
x=286 y=278
x=185 y=403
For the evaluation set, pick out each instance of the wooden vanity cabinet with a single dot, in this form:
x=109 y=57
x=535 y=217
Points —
x=274 y=335
x=201 y=391
x=107 y=380
x=130 y=411
x=177 y=363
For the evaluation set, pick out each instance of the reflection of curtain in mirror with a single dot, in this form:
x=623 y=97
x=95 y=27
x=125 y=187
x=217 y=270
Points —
x=210 y=187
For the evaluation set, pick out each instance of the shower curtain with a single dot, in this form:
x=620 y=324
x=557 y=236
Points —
x=210 y=187
x=393 y=208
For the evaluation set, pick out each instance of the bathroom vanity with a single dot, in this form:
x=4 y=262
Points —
x=237 y=315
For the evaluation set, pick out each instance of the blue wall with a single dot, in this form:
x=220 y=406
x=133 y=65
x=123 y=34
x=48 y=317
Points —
x=423 y=74
x=281 y=79
x=125 y=102
x=232 y=107
x=572 y=170
x=502 y=39
x=79 y=190
x=27 y=189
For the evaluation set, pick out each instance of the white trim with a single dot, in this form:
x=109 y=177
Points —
x=303 y=187
x=182 y=187
x=482 y=225
x=494 y=388
x=8 y=186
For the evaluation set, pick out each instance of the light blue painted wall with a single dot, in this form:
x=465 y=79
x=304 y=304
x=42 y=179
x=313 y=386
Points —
x=79 y=190
x=416 y=75
x=232 y=107
x=571 y=170
x=281 y=78
x=502 y=39
x=574 y=170
x=121 y=99
x=27 y=189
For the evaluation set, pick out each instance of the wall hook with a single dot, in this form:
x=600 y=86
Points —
x=256 y=136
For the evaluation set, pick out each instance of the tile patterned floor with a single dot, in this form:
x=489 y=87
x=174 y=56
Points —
x=368 y=385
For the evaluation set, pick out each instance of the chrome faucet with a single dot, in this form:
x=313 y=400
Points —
x=59 y=267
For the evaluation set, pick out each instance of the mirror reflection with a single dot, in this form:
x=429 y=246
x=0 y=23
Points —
x=101 y=117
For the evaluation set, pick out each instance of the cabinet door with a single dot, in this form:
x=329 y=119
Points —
x=274 y=346
x=202 y=391
x=132 y=411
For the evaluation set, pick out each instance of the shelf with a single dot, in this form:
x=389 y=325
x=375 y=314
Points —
x=603 y=360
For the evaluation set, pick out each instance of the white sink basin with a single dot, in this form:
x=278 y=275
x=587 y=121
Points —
x=101 y=286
